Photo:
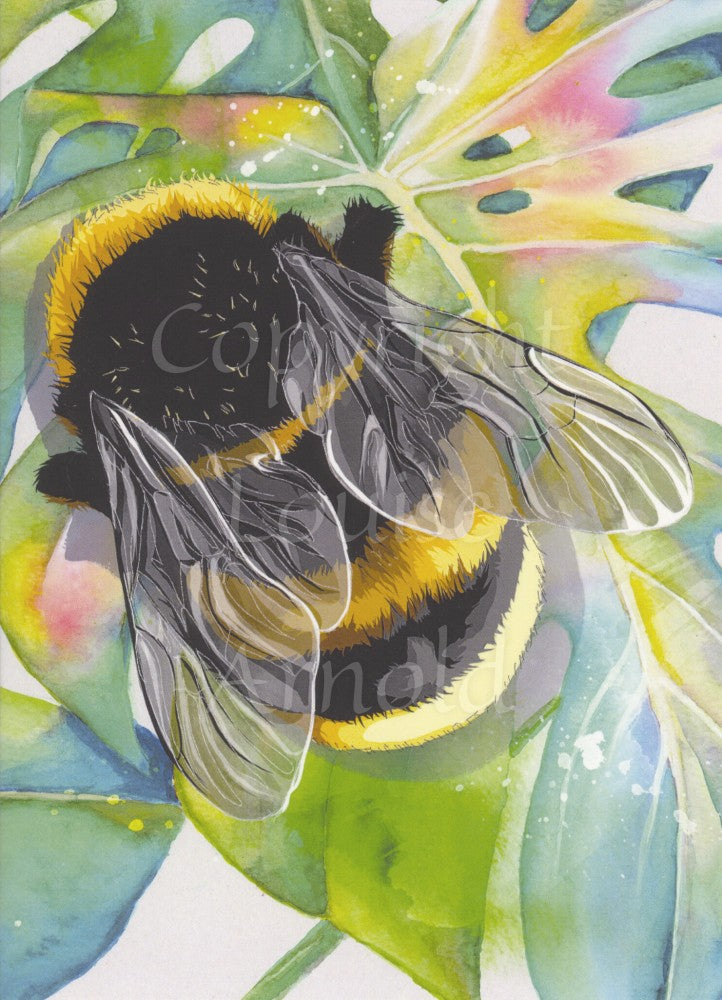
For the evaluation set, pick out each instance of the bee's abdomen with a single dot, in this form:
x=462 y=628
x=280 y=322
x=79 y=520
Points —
x=439 y=665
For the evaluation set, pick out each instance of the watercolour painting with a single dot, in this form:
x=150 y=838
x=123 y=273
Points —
x=360 y=521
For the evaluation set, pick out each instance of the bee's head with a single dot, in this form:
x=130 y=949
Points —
x=185 y=313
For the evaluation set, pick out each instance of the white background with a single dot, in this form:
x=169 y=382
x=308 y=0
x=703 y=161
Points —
x=204 y=932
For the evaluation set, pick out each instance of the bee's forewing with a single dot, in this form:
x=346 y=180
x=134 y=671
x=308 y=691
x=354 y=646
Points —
x=292 y=527
x=379 y=404
x=441 y=414
x=227 y=656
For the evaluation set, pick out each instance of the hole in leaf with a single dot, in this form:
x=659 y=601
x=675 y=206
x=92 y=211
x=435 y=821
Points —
x=542 y=13
x=674 y=190
x=695 y=61
x=158 y=140
x=487 y=149
x=93 y=145
x=214 y=49
x=504 y=202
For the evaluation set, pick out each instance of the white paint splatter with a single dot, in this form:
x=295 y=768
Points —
x=271 y=155
x=624 y=766
x=389 y=135
x=686 y=824
x=328 y=53
x=637 y=789
x=315 y=111
x=564 y=761
x=591 y=750
x=426 y=86
x=249 y=167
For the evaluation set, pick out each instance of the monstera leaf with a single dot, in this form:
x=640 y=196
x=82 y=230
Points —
x=83 y=833
x=543 y=155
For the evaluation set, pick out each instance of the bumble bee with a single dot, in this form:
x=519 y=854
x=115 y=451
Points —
x=320 y=490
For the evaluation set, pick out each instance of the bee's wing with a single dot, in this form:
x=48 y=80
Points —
x=292 y=526
x=227 y=655
x=433 y=416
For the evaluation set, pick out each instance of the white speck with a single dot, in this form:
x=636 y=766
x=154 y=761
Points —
x=233 y=105
x=426 y=86
x=564 y=761
x=315 y=111
x=546 y=819
x=321 y=190
x=517 y=136
x=389 y=135
x=183 y=142
x=362 y=131
x=267 y=157
x=255 y=111
x=231 y=143
x=506 y=782
x=400 y=76
x=286 y=136
x=563 y=796
x=314 y=166
x=328 y=53
x=624 y=766
x=18 y=923
x=637 y=789
x=590 y=746
x=686 y=824
x=459 y=788
x=249 y=167
x=353 y=76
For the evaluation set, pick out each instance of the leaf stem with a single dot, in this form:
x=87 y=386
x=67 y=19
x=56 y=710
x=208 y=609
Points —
x=297 y=963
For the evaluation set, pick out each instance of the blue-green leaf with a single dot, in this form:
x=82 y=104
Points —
x=82 y=835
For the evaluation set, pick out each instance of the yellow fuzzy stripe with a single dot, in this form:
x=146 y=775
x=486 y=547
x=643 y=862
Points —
x=400 y=568
x=468 y=695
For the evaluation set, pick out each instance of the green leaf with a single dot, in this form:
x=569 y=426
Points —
x=82 y=836
x=394 y=848
x=63 y=608
x=328 y=52
x=622 y=790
